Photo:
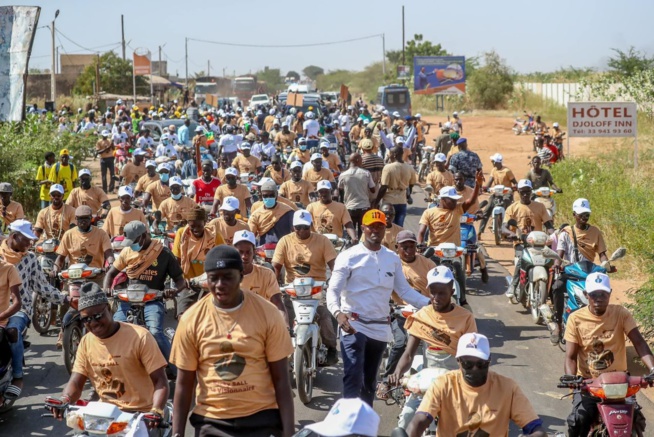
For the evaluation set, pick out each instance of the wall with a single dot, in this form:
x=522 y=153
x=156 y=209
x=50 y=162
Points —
x=38 y=85
x=561 y=93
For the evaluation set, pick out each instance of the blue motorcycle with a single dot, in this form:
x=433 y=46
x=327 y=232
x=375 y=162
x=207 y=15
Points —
x=469 y=241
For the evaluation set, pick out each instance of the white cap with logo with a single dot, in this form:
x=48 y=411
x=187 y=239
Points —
x=524 y=183
x=597 y=282
x=57 y=188
x=84 y=171
x=231 y=171
x=230 y=203
x=473 y=345
x=497 y=157
x=348 y=417
x=125 y=190
x=296 y=164
x=449 y=192
x=581 y=206
x=244 y=236
x=176 y=180
x=302 y=217
x=440 y=157
x=323 y=185
x=440 y=275
x=24 y=227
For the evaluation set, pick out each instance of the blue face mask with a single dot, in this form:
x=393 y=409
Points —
x=176 y=196
x=136 y=247
x=303 y=148
x=164 y=177
x=269 y=202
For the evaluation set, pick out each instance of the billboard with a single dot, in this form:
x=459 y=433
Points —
x=439 y=75
x=142 y=64
x=17 y=28
x=602 y=119
x=403 y=72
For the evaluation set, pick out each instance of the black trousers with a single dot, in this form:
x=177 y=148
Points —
x=357 y=217
x=107 y=164
x=265 y=423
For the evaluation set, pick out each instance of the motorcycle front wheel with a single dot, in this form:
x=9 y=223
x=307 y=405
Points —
x=537 y=297
x=497 y=228
x=72 y=337
x=303 y=376
x=42 y=314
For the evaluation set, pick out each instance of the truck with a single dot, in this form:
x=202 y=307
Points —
x=246 y=86
x=211 y=85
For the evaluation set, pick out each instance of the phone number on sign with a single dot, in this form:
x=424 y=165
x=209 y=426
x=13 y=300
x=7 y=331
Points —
x=601 y=131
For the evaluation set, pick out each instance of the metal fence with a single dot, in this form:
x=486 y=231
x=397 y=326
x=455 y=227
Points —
x=561 y=93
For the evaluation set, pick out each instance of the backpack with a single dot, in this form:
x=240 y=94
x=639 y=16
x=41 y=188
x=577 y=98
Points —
x=58 y=167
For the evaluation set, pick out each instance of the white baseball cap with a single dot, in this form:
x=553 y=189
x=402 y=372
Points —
x=418 y=115
x=440 y=157
x=262 y=181
x=316 y=156
x=396 y=114
x=230 y=203
x=244 y=236
x=125 y=190
x=324 y=185
x=581 y=206
x=473 y=345
x=296 y=164
x=163 y=166
x=150 y=163
x=348 y=417
x=399 y=139
x=176 y=180
x=597 y=282
x=58 y=188
x=449 y=192
x=231 y=171
x=84 y=171
x=24 y=227
x=497 y=158
x=105 y=133
x=555 y=124
x=524 y=183
x=302 y=217
x=139 y=152
x=245 y=145
x=439 y=275
x=199 y=129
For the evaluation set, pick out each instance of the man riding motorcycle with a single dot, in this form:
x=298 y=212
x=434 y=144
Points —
x=440 y=177
x=274 y=220
x=231 y=188
x=595 y=344
x=86 y=194
x=122 y=214
x=151 y=176
x=173 y=209
x=56 y=218
x=329 y=216
x=297 y=189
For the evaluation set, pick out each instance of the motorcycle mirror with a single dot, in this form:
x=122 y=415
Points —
x=428 y=253
x=483 y=204
x=549 y=253
x=513 y=223
x=619 y=253
x=429 y=189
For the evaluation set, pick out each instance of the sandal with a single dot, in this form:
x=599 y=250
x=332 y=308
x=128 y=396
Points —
x=382 y=390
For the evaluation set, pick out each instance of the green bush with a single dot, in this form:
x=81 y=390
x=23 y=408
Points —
x=22 y=149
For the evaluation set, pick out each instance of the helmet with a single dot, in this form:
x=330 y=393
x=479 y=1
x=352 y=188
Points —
x=293 y=111
x=310 y=115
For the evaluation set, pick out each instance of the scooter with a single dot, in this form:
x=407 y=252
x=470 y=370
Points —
x=431 y=198
x=545 y=195
x=474 y=249
x=105 y=419
x=446 y=254
x=532 y=289
x=265 y=254
x=617 y=401
x=43 y=312
x=425 y=164
x=497 y=192
x=76 y=276
x=310 y=352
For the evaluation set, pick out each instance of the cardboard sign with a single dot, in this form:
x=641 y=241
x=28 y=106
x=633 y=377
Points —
x=294 y=99
x=211 y=99
x=344 y=92
x=602 y=119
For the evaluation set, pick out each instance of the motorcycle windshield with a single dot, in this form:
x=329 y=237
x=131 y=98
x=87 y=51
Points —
x=582 y=269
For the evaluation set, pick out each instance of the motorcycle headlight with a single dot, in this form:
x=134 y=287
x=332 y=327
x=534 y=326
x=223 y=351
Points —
x=303 y=290
x=49 y=246
x=75 y=273
x=615 y=391
x=96 y=423
x=449 y=253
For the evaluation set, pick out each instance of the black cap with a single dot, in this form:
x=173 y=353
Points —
x=223 y=257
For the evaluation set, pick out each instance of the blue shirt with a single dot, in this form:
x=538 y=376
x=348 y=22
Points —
x=183 y=136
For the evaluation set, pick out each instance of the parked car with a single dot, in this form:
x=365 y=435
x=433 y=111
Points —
x=156 y=127
x=259 y=99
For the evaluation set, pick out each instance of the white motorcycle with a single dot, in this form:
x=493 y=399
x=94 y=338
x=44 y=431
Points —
x=497 y=195
x=310 y=352
x=104 y=419
x=545 y=195
x=447 y=254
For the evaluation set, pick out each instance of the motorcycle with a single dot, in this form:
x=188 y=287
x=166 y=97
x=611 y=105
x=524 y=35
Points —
x=137 y=295
x=76 y=276
x=446 y=254
x=265 y=254
x=425 y=164
x=105 y=419
x=548 y=152
x=473 y=249
x=43 y=312
x=616 y=392
x=310 y=352
x=545 y=195
x=498 y=193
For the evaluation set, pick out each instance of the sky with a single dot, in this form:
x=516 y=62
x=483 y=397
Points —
x=530 y=36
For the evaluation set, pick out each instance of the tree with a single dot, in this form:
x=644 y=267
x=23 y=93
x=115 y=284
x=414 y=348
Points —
x=200 y=73
x=630 y=63
x=272 y=77
x=415 y=47
x=313 y=71
x=490 y=85
x=115 y=76
x=294 y=75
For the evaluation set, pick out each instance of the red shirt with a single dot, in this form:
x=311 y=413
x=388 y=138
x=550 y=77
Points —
x=204 y=192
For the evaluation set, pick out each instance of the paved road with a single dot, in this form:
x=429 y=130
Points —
x=520 y=350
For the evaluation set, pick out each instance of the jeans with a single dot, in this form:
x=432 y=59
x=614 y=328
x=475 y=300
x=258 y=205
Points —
x=346 y=142
x=558 y=298
x=154 y=313
x=516 y=274
x=107 y=164
x=357 y=217
x=399 y=345
x=19 y=321
x=45 y=204
x=584 y=412
x=361 y=358
x=400 y=214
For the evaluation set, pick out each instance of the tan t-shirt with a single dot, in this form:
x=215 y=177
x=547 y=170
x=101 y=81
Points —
x=119 y=367
x=467 y=193
x=601 y=339
x=196 y=249
x=246 y=165
x=285 y=140
x=77 y=246
x=304 y=257
x=486 y=410
x=145 y=181
x=261 y=281
x=232 y=369
x=8 y=278
x=416 y=273
x=504 y=176
x=117 y=219
x=303 y=157
x=11 y=213
x=333 y=160
x=263 y=220
x=330 y=218
x=297 y=191
x=438 y=180
x=55 y=222
x=102 y=145
x=173 y=211
x=133 y=173
x=589 y=241
x=281 y=199
x=240 y=192
x=94 y=197
x=441 y=330
x=397 y=177
x=227 y=232
x=278 y=176
x=535 y=215
x=158 y=193
x=220 y=174
x=314 y=176
x=444 y=225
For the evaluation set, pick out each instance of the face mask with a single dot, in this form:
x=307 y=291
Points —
x=164 y=177
x=176 y=196
x=136 y=247
x=303 y=148
x=269 y=202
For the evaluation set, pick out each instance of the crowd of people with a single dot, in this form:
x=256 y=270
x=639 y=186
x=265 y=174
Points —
x=203 y=202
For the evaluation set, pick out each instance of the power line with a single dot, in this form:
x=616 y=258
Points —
x=86 y=48
x=277 y=46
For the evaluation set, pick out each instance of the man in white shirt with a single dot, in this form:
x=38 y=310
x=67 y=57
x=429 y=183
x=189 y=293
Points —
x=145 y=142
x=354 y=186
x=229 y=143
x=264 y=147
x=165 y=148
x=311 y=127
x=359 y=290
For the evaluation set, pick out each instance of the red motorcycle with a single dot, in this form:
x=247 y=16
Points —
x=617 y=404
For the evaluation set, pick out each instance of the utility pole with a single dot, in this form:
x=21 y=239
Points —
x=159 y=68
x=208 y=67
x=223 y=71
x=53 y=78
x=384 y=54
x=122 y=31
x=186 y=57
x=403 y=60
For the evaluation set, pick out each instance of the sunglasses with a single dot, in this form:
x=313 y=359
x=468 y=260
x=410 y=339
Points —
x=469 y=365
x=599 y=295
x=89 y=319
x=302 y=227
